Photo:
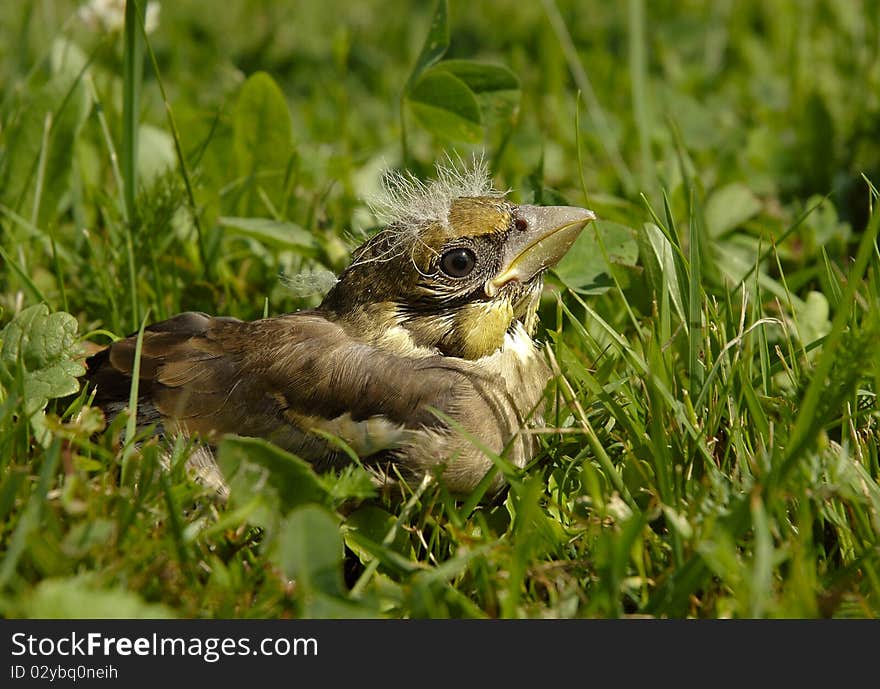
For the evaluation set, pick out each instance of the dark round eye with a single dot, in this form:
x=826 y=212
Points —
x=458 y=263
x=521 y=224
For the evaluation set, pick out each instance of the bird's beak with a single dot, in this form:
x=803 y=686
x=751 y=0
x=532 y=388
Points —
x=548 y=235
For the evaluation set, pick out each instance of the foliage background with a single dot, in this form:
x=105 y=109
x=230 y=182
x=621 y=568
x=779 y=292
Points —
x=716 y=339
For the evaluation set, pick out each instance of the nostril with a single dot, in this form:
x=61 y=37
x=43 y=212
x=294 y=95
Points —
x=521 y=224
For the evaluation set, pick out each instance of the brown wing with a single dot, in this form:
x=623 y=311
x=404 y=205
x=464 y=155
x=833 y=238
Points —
x=217 y=375
x=281 y=378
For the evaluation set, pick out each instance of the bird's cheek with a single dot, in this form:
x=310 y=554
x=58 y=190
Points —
x=480 y=327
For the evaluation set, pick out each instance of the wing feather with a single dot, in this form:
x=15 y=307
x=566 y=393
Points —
x=290 y=378
x=224 y=375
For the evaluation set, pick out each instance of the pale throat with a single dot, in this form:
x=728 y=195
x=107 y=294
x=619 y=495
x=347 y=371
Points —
x=473 y=331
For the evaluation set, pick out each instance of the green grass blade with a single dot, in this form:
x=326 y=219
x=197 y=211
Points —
x=132 y=76
x=29 y=520
x=805 y=429
x=641 y=99
x=133 y=396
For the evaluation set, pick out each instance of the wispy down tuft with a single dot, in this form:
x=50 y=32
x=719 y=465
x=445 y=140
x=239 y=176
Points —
x=407 y=204
x=410 y=202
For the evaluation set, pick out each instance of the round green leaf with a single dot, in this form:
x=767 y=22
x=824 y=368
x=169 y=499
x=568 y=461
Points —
x=729 y=207
x=310 y=550
x=81 y=597
x=446 y=107
x=496 y=88
x=44 y=345
x=257 y=467
x=263 y=138
x=480 y=77
x=584 y=267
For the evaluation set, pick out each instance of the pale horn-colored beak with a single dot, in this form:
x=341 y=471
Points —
x=547 y=234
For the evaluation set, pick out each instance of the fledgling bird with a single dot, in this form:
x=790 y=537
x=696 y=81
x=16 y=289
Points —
x=424 y=340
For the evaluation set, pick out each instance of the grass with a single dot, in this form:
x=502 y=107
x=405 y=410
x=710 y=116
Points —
x=714 y=446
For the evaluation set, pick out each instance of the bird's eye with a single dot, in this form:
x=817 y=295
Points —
x=458 y=263
x=521 y=224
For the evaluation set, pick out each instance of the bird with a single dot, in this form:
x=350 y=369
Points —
x=421 y=357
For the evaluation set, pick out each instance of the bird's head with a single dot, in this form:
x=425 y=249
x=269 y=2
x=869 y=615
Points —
x=456 y=267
